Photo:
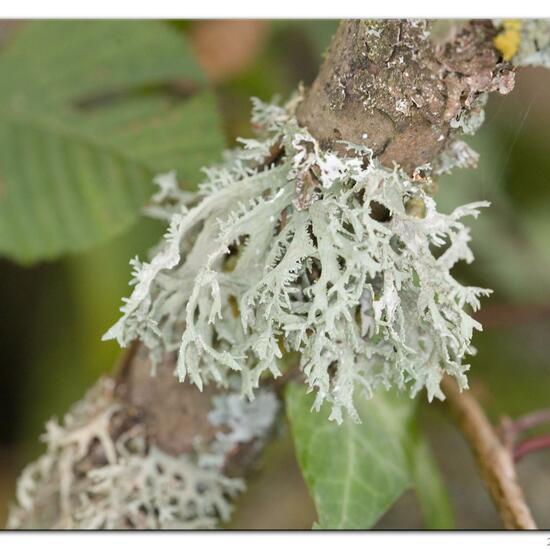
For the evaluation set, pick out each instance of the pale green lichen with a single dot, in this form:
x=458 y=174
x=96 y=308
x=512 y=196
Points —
x=457 y=154
x=470 y=120
x=524 y=42
x=289 y=256
x=534 y=45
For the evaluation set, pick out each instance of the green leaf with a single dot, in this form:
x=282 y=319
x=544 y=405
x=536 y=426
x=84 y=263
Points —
x=355 y=472
x=90 y=111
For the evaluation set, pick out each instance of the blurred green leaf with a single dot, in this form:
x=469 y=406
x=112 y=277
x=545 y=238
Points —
x=320 y=33
x=89 y=112
x=430 y=489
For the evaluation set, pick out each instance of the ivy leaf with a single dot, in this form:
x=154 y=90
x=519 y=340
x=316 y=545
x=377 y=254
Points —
x=90 y=111
x=355 y=472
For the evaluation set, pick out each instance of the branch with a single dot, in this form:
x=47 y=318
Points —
x=495 y=462
x=175 y=413
x=391 y=86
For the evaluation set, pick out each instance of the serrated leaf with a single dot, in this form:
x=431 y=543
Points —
x=88 y=115
x=356 y=472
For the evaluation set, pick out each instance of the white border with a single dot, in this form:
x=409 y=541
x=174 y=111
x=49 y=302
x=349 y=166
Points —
x=275 y=540
x=275 y=9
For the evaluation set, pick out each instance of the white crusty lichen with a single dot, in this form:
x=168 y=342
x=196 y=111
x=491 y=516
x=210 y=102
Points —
x=100 y=472
x=240 y=422
x=534 y=46
x=283 y=249
x=150 y=489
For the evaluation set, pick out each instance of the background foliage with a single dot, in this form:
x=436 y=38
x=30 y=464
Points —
x=90 y=111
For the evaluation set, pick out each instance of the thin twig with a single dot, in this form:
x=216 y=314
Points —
x=495 y=462
x=531 y=445
x=531 y=420
x=510 y=430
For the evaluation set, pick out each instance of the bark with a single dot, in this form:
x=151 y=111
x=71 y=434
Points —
x=396 y=86
x=174 y=414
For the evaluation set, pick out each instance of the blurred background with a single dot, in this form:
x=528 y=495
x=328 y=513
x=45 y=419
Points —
x=116 y=103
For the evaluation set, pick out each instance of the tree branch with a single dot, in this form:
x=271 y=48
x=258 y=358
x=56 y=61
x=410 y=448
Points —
x=392 y=86
x=495 y=462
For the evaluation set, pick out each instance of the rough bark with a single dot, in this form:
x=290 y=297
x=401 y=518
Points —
x=396 y=86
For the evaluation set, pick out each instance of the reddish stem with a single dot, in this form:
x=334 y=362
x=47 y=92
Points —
x=510 y=429
x=531 y=420
x=531 y=445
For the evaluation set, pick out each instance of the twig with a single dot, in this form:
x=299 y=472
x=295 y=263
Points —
x=531 y=445
x=495 y=462
x=510 y=431
x=531 y=420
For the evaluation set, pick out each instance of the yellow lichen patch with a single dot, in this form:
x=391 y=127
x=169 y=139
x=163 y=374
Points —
x=507 y=41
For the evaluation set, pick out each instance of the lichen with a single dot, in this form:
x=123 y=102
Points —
x=525 y=42
x=240 y=422
x=508 y=40
x=469 y=121
x=102 y=472
x=458 y=154
x=285 y=252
